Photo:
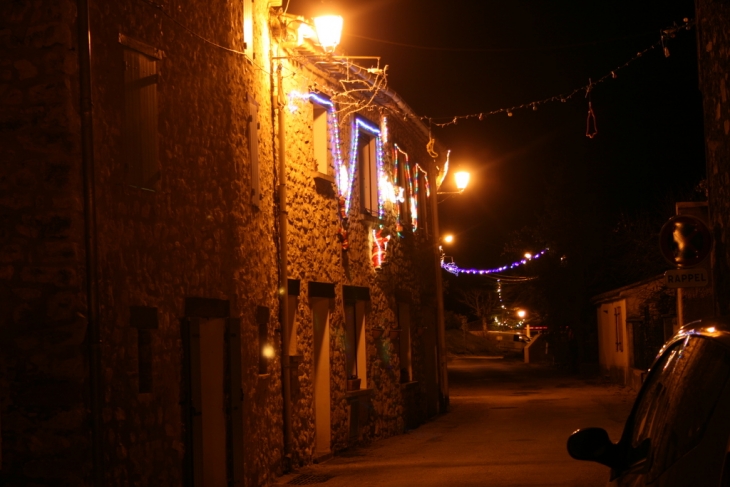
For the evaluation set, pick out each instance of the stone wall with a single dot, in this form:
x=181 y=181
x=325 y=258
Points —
x=190 y=245
x=316 y=254
x=45 y=431
x=713 y=18
x=195 y=235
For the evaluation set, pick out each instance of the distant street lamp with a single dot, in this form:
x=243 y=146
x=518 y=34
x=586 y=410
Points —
x=521 y=313
x=448 y=239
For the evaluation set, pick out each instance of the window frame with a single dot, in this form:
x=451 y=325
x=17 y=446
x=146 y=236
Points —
x=368 y=147
x=141 y=114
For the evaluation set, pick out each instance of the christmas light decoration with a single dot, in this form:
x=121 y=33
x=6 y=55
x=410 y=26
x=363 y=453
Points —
x=380 y=239
x=366 y=126
x=456 y=270
x=412 y=185
x=667 y=33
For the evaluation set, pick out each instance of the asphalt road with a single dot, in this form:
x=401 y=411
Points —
x=507 y=426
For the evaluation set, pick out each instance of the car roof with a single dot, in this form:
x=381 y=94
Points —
x=717 y=329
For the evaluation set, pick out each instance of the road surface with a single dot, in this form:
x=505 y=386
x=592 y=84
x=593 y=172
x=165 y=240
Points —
x=507 y=427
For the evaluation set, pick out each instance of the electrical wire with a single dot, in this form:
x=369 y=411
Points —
x=496 y=50
x=669 y=32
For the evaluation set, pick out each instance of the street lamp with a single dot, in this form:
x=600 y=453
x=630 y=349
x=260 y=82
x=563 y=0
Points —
x=329 y=31
x=461 y=178
x=521 y=313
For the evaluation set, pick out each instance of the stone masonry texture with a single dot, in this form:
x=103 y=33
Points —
x=713 y=46
x=193 y=236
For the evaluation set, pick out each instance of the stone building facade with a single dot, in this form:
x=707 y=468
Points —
x=713 y=46
x=141 y=249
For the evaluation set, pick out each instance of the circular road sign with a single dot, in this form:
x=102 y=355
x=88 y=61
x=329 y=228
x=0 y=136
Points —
x=685 y=241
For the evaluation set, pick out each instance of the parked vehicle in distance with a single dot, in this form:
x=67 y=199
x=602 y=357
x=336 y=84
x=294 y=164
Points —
x=678 y=432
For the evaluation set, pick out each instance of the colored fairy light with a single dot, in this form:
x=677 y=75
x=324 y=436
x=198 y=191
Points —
x=380 y=241
x=411 y=184
x=456 y=270
x=425 y=179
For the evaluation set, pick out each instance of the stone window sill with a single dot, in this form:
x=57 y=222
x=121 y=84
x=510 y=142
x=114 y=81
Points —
x=351 y=395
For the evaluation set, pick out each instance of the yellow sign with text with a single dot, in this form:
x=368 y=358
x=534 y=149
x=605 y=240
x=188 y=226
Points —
x=696 y=277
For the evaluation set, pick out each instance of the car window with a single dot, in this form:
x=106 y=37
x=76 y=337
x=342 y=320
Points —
x=678 y=399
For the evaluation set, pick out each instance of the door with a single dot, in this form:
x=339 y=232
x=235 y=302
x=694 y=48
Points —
x=320 y=318
x=213 y=362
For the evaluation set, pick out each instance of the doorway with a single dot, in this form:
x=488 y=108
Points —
x=214 y=447
x=321 y=322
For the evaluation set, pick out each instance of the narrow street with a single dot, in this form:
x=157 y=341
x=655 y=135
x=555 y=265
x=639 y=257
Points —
x=507 y=426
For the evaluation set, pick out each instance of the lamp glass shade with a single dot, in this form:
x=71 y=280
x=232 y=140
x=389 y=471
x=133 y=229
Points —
x=329 y=31
x=462 y=180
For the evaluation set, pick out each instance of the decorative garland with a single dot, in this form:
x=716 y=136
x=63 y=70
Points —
x=389 y=188
x=456 y=270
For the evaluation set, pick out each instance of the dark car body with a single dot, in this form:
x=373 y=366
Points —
x=678 y=432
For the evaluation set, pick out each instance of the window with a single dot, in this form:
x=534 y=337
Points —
x=144 y=319
x=422 y=198
x=319 y=139
x=265 y=350
x=619 y=329
x=402 y=179
x=253 y=152
x=355 y=341
x=248 y=28
x=404 y=323
x=677 y=401
x=367 y=152
x=140 y=114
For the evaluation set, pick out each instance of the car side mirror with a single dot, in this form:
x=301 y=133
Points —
x=593 y=444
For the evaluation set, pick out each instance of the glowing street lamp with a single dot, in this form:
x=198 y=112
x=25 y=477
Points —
x=462 y=180
x=448 y=238
x=521 y=313
x=329 y=31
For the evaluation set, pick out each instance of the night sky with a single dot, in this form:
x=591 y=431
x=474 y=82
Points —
x=464 y=57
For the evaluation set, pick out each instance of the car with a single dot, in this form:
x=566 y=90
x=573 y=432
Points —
x=678 y=432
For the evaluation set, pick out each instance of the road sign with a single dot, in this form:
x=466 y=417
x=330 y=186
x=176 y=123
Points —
x=685 y=241
x=686 y=278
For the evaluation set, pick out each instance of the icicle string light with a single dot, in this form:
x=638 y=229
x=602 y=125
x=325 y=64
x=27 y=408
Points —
x=456 y=270
x=345 y=173
x=665 y=34
x=375 y=132
x=342 y=177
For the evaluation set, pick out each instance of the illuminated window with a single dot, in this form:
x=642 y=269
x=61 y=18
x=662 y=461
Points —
x=368 y=165
x=402 y=177
x=248 y=28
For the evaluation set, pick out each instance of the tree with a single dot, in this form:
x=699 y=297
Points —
x=480 y=301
